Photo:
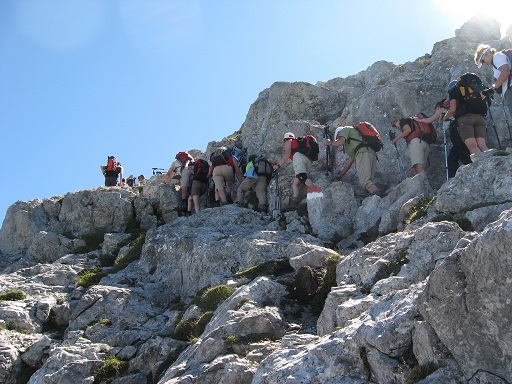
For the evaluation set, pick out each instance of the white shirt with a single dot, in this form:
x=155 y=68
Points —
x=499 y=59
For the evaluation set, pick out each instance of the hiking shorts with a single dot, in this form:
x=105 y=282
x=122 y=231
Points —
x=366 y=163
x=418 y=151
x=110 y=181
x=186 y=176
x=198 y=188
x=471 y=125
x=221 y=174
x=260 y=187
x=301 y=163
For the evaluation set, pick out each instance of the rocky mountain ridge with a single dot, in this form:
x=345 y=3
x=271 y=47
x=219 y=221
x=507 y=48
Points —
x=113 y=285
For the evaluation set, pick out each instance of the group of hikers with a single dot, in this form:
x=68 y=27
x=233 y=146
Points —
x=462 y=114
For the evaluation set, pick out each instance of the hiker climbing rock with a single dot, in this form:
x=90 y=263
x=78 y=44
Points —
x=183 y=159
x=469 y=108
x=359 y=152
x=222 y=165
x=199 y=184
x=301 y=163
x=257 y=175
x=111 y=172
x=414 y=131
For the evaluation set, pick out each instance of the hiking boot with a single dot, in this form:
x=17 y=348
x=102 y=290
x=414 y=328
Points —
x=314 y=189
x=229 y=199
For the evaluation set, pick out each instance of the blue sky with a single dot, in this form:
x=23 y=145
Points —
x=145 y=79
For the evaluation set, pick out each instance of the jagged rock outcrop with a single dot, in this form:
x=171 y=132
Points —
x=347 y=289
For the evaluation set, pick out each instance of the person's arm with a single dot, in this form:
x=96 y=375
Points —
x=451 y=111
x=437 y=114
x=102 y=167
x=286 y=156
x=237 y=170
x=504 y=74
x=345 y=169
x=336 y=143
x=406 y=130
x=120 y=175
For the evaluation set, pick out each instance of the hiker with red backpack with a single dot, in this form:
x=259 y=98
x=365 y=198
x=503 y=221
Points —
x=468 y=105
x=301 y=151
x=111 y=172
x=199 y=184
x=183 y=162
x=362 y=142
x=414 y=131
x=221 y=169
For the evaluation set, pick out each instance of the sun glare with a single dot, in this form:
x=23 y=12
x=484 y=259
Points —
x=461 y=11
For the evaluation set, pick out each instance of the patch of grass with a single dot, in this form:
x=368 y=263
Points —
x=202 y=322
x=132 y=255
x=184 y=330
x=420 y=372
x=92 y=242
x=210 y=299
x=89 y=277
x=232 y=340
x=111 y=368
x=105 y=321
x=13 y=295
x=419 y=210
x=132 y=225
x=276 y=267
x=464 y=224
x=107 y=260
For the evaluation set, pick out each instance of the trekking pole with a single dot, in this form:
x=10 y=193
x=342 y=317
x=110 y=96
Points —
x=392 y=135
x=488 y=100
x=327 y=135
x=443 y=123
x=277 y=212
x=506 y=119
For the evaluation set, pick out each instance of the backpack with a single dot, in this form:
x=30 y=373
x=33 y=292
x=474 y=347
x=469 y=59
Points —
x=508 y=53
x=111 y=168
x=426 y=131
x=240 y=155
x=220 y=156
x=262 y=167
x=307 y=145
x=184 y=156
x=371 y=137
x=469 y=86
x=201 y=169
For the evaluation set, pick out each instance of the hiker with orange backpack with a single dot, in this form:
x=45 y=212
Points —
x=199 y=184
x=417 y=145
x=362 y=142
x=111 y=171
x=301 y=151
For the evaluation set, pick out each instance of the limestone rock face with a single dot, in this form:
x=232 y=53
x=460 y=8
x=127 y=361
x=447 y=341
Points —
x=415 y=281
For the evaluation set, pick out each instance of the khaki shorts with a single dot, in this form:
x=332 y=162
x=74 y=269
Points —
x=186 y=177
x=198 y=187
x=471 y=125
x=418 y=151
x=221 y=174
x=301 y=163
x=366 y=163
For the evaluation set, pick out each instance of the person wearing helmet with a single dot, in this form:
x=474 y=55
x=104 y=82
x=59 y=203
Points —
x=501 y=63
x=301 y=167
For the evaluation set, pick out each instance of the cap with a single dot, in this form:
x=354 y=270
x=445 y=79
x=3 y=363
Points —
x=452 y=84
x=480 y=58
x=288 y=135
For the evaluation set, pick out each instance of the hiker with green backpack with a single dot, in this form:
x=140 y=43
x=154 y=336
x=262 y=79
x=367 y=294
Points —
x=257 y=175
x=362 y=142
x=418 y=135
x=301 y=151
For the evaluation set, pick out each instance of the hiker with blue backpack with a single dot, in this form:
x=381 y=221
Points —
x=301 y=151
x=257 y=175
x=362 y=142
x=221 y=169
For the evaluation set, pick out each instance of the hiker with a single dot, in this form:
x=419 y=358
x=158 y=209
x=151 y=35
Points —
x=469 y=112
x=141 y=179
x=502 y=67
x=111 y=171
x=364 y=157
x=458 y=151
x=131 y=181
x=183 y=159
x=418 y=149
x=301 y=167
x=221 y=169
x=200 y=170
x=257 y=175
